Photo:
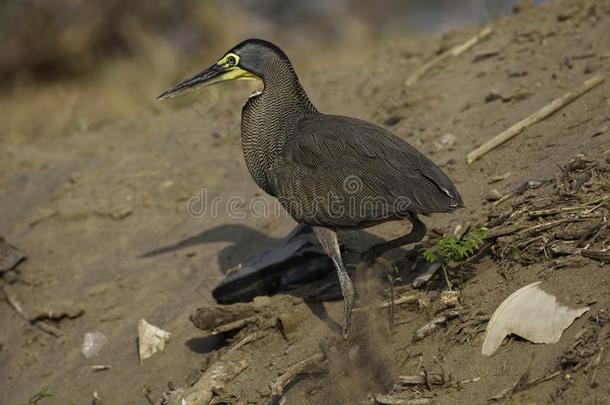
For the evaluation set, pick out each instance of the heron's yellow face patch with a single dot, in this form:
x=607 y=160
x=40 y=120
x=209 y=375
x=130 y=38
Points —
x=233 y=72
x=229 y=60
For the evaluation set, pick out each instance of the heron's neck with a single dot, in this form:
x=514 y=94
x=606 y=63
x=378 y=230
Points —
x=270 y=117
x=283 y=88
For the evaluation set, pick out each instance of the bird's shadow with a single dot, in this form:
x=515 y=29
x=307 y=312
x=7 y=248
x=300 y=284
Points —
x=244 y=242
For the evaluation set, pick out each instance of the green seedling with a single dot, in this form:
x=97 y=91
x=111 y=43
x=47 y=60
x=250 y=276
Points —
x=450 y=249
x=44 y=393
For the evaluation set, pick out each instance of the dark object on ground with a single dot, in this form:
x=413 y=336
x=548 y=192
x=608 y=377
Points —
x=330 y=172
x=294 y=260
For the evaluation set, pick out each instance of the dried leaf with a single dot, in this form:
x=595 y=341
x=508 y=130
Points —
x=532 y=314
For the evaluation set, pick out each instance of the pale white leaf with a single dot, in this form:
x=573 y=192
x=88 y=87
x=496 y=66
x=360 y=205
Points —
x=532 y=314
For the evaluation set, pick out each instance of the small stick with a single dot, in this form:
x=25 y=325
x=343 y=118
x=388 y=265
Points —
x=455 y=51
x=507 y=230
x=591 y=233
x=13 y=299
x=213 y=380
x=248 y=339
x=15 y=302
x=402 y=300
x=390 y=400
x=277 y=388
x=587 y=212
x=434 y=325
x=599 y=255
x=547 y=225
x=239 y=324
x=502 y=199
x=470 y=381
x=434 y=379
x=539 y=115
x=50 y=329
x=543 y=379
x=552 y=211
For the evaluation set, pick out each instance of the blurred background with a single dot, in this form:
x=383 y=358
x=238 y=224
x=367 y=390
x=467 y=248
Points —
x=74 y=65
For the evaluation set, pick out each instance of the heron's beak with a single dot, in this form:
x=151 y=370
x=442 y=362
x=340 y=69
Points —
x=214 y=74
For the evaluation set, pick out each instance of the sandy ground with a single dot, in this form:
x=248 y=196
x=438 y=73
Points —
x=85 y=208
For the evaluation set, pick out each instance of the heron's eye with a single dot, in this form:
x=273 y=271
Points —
x=231 y=60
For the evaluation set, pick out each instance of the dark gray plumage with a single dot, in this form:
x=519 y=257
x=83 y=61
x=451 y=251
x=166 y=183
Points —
x=328 y=171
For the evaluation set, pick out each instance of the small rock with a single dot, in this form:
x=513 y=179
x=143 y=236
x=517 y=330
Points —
x=517 y=73
x=445 y=141
x=590 y=68
x=450 y=298
x=96 y=399
x=392 y=120
x=119 y=213
x=500 y=177
x=423 y=303
x=567 y=14
x=493 y=195
x=92 y=343
x=493 y=96
x=533 y=184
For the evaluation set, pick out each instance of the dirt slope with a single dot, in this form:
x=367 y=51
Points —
x=86 y=208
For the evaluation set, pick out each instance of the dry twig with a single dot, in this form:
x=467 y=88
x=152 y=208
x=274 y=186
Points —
x=282 y=381
x=391 y=400
x=455 y=51
x=433 y=325
x=249 y=339
x=398 y=301
x=539 y=115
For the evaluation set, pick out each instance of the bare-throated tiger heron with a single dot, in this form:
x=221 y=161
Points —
x=328 y=171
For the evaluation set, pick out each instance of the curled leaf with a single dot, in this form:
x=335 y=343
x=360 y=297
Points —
x=532 y=314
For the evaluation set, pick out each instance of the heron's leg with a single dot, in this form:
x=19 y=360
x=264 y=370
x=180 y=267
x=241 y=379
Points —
x=417 y=233
x=330 y=244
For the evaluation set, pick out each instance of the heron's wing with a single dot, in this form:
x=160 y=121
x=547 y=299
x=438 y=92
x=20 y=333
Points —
x=332 y=158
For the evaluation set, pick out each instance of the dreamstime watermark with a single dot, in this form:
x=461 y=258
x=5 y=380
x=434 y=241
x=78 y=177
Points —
x=208 y=106
x=352 y=199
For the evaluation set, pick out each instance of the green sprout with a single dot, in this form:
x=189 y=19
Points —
x=450 y=249
x=44 y=393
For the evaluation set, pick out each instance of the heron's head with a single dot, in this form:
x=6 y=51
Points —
x=252 y=59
